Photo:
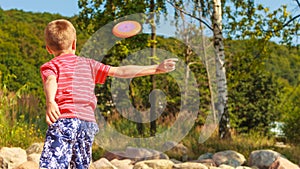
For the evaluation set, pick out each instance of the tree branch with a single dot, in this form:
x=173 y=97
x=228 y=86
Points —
x=284 y=25
x=298 y=3
x=288 y=22
x=188 y=14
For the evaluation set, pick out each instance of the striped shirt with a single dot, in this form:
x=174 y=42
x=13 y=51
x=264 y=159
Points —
x=76 y=79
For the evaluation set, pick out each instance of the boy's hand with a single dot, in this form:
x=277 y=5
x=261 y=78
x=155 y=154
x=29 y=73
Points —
x=167 y=65
x=52 y=113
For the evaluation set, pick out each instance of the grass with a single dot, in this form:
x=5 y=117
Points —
x=19 y=119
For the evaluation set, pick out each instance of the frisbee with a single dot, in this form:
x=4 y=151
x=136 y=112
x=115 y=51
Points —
x=126 y=29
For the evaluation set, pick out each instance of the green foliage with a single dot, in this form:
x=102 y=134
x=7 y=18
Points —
x=246 y=20
x=254 y=93
x=291 y=116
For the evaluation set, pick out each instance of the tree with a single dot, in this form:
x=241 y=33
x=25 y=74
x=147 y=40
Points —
x=105 y=11
x=243 y=20
x=216 y=18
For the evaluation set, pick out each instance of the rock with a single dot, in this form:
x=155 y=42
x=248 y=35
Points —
x=28 y=165
x=205 y=156
x=122 y=164
x=110 y=155
x=190 y=165
x=139 y=154
x=12 y=157
x=263 y=158
x=175 y=161
x=282 y=163
x=176 y=148
x=3 y=163
x=103 y=163
x=154 y=164
x=207 y=162
x=229 y=157
x=243 y=167
x=35 y=148
x=224 y=166
x=34 y=157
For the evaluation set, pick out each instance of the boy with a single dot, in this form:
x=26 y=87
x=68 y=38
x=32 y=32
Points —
x=69 y=82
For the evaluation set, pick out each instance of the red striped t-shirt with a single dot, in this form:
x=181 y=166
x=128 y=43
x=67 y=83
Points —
x=76 y=78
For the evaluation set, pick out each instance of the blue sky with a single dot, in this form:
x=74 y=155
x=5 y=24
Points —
x=70 y=7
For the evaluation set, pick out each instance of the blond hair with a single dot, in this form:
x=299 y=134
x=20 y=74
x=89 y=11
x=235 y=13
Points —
x=59 y=35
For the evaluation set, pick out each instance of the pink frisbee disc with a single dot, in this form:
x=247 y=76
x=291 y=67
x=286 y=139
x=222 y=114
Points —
x=126 y=29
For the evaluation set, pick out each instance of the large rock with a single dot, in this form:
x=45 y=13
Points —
x=263 y=158
x=190 y=165
x=103 y=163
x=110 y=155
x=139 y=154
x=282 y=163
x=28 y=165
x=224 y=166
x=36 y=148
x=229 y=157
x=122 y=164
x=243 y=167
x=205 y=156
x=34 y=157
x=12 y=157
x=175 y=148
x=154 y=164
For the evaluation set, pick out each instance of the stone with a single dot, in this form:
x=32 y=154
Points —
x=35 y=148
x=224 y=166
x=110 y=155
x=229 y=157
x=139 y=154
x=207 y=162
x=28 y=165
x=34 y=157
x=263 y=158
x=12 y=157
x=103 y=163
x=205 y=156
x=190 y=165
x=243 y=167
x=122 y=164
x=154 y=164
x=282 y=163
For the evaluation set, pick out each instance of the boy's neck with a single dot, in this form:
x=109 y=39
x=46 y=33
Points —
x=64 y=53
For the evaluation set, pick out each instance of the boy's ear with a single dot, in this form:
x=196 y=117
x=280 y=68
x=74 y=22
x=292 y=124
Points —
x=49 y=50
x=74 y=44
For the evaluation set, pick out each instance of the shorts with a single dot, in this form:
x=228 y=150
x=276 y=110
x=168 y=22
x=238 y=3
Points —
x=68 y=144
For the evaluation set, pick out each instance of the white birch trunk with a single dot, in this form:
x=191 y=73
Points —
x=221 y=105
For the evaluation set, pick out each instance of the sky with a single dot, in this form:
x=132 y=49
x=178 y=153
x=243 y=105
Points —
x=70 y=7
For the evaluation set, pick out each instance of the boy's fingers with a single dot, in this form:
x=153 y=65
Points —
x=49 y=122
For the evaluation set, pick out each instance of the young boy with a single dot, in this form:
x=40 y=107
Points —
x=69 y=82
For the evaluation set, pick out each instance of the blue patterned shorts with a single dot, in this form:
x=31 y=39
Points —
x=68 y=144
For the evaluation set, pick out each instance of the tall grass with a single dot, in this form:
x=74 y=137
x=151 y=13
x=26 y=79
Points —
x=20 y=123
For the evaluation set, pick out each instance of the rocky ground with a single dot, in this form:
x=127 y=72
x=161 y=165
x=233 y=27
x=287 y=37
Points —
x=140 y=158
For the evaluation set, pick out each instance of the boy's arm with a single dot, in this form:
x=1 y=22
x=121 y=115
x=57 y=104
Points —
x=50 y=88
x=131 y=71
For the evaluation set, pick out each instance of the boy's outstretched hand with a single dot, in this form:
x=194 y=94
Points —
x=167 y=65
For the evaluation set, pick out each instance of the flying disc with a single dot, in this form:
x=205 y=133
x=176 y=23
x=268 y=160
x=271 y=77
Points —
x=126 y=29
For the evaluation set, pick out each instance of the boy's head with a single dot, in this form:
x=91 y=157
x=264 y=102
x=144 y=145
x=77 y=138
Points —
x=60 y=35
